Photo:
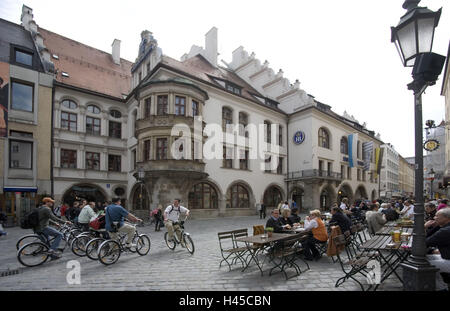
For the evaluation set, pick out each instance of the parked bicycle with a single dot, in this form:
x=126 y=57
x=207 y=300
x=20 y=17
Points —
x=109 y=251
x=186 y=238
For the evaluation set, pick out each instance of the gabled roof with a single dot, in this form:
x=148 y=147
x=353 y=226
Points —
x=199 y=68
x=87 y=68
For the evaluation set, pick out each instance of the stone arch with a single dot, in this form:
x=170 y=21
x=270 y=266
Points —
x=345 y=191
x=134 y=200
x=206 y=199
x=87 y=191
x=273 y=195
x=374 y=195
x=251 y=196
x=327 y=197
x=297 y=195
x=361 y=192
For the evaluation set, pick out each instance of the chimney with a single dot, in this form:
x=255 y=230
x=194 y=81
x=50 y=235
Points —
x=211 y=46
x=116 y=51
x=27 y=16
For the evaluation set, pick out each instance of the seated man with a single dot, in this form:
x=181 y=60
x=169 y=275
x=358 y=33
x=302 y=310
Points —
x=45 y=215
x=375 y=220
x=408 y=210
x=340 y=219
x=390 y=213
x=318 y=234
x=115 y=213
x=295 y=219
x=274 y=221
x=439 y=237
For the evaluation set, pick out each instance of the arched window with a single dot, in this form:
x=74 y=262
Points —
x=238 y=197
x=344 y=145
x=115 y=114
x=227 y=117
x=203 y=196
x=69 y=104
x=324 y=138
x=93 y=109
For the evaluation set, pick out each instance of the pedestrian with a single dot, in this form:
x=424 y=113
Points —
x=3 y=219
x=262 y=211
x=63 y=211
x=158 y=218
x=280 y=205
x=285 y=206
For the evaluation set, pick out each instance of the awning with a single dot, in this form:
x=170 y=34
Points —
x=19 y=189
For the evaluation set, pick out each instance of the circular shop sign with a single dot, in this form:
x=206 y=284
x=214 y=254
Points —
x=431 y=145
x=299 y=137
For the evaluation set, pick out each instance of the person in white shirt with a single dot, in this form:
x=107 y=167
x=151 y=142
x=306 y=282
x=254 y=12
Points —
x=285 y=206
x=344 y=204
x=408 y=210
x=171 y=217
x=86 y=214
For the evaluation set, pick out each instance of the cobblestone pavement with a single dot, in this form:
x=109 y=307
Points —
x=163 y=269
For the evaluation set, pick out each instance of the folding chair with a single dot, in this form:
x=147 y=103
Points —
x=228 y=249
x=285 y=255
x=354 y=264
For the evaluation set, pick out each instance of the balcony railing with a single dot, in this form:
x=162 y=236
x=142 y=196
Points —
x=307 y=174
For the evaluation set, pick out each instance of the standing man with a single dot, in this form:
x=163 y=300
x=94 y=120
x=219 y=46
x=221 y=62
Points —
x=45 y=215
x=171 y=218
x=114 y=222
x=262 y=212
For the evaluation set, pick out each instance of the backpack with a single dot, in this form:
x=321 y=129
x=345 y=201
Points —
x=31 y=220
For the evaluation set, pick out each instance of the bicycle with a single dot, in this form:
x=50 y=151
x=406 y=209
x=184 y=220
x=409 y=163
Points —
x=172 y=244
x=69 y=233
x=109 y=251
x=81 y=241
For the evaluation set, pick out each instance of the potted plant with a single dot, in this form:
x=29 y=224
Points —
x=269 y=231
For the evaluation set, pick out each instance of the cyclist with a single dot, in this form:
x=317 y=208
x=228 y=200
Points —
x=45 y=215
x=171 y=218
x=116 y=213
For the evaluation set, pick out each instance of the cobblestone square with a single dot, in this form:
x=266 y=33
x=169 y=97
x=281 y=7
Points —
x=163 y=269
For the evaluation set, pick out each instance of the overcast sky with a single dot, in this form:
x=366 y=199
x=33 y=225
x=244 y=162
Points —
x=340 y=50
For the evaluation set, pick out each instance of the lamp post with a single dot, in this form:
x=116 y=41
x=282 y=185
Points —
x=431 y=174
x=413 y=37
x=141 y=175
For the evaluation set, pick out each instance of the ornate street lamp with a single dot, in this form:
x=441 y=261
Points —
x=413 y=38
x=432 y=175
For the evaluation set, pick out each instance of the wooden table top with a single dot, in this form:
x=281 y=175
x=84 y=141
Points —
x=380 y=242
x=260 y=240
x=387 y=230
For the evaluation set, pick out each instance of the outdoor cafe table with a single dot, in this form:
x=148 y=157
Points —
x=263 y=242
x=387 y=231
x=395 y=224
x=397 y=254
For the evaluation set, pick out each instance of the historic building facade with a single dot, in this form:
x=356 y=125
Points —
x=389 y=183
x=220 y=138
x=25 y=133
x=445 y=91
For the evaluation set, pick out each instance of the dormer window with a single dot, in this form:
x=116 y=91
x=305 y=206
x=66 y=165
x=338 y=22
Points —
x=24 y=58
x=233 y=88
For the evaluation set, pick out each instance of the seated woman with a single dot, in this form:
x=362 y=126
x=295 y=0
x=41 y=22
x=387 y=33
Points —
x=319 y=234
x=285 y=218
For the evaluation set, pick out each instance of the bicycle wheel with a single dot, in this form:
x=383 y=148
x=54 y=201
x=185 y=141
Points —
x=92 y=248
x=170 y=244
x=109 y=252
x=189 y=243
x=79 y=245
x=143 y=245
x=27 y=239
x=33 y=254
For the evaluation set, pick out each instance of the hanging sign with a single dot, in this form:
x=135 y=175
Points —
x=299 y=137
x=431 y=145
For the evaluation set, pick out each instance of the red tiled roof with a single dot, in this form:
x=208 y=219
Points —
x=87 y=67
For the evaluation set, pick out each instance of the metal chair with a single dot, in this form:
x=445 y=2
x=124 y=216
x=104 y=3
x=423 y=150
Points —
x=229 y=250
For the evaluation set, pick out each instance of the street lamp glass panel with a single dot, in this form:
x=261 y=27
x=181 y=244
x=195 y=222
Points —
x=425 y=28
x=406 y=37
